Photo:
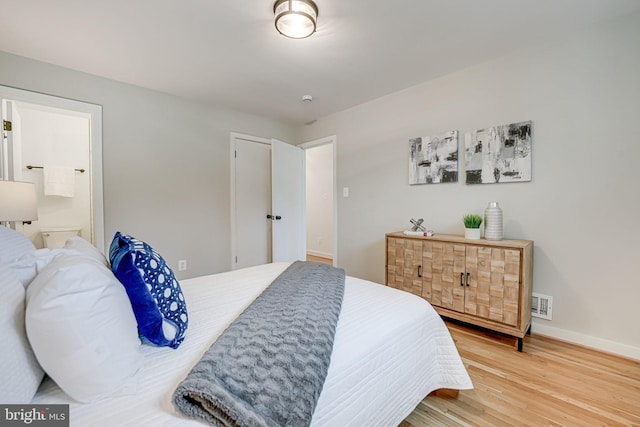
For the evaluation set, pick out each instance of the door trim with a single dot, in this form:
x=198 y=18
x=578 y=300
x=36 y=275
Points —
x=333 y=140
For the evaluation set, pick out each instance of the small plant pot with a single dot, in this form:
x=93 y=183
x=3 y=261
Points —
x=472 y=233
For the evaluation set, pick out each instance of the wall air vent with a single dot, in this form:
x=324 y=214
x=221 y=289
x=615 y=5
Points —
x=541 y=306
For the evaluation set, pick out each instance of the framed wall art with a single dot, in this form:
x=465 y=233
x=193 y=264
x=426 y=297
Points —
x=498 y=154
x=433 y=159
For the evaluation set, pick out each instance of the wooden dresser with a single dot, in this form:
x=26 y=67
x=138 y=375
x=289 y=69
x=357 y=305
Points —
x=481 y=282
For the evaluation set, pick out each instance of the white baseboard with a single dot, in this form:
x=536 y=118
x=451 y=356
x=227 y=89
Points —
x=586 y=340
x=320 y=254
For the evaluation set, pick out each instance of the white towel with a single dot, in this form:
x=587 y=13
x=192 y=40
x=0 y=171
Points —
x=59 y=181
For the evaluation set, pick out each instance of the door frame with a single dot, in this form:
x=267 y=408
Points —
x=95 y=113
x=333 y=140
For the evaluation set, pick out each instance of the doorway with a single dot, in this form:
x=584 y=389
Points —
x=45 y=131
x=267 y=201
x=321 y=200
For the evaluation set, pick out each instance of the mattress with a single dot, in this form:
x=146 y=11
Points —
x=391 y=349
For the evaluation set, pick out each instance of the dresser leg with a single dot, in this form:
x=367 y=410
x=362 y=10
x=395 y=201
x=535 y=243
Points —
x=520 y=343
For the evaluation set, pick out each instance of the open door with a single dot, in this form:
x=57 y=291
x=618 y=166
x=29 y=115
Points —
x=267 y=201
x=288 y=202
x=11 y=155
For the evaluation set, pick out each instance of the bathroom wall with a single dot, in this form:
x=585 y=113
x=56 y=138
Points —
x=56 y=137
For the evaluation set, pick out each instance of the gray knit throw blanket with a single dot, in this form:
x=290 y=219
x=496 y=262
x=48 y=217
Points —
x=268 y=367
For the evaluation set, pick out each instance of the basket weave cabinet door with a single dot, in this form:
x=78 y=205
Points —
x=493 y=286
x=404 y=258
x=443 y=263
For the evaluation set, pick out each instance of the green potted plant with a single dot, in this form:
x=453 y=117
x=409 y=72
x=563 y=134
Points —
x=472 y=226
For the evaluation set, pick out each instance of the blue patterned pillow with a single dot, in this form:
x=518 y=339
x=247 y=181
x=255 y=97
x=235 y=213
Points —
x=153 y=290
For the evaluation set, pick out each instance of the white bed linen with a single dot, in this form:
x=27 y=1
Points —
x=390 y=350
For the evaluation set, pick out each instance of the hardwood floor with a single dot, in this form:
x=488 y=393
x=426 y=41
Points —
x=319 y=259
x=551 y=383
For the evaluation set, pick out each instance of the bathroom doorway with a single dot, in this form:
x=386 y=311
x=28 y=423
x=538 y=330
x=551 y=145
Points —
x=42 y=131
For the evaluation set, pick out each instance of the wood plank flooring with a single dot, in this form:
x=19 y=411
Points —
x=319 y=259
x=551 y=383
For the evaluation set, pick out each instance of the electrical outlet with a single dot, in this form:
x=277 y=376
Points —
x=182 y=264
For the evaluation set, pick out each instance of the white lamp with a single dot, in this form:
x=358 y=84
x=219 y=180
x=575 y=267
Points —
x=295 y=18
x=18 y=201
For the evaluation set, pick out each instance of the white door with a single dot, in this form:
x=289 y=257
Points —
x=267 y=201
x=252 y=203
x=288 y=202
x=12 y=148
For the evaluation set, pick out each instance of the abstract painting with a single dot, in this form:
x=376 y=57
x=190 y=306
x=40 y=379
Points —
x=433 y=159
x=498 y=154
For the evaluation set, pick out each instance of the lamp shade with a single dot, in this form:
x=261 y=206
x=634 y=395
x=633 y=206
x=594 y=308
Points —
x=18 y=201
x=295 y=18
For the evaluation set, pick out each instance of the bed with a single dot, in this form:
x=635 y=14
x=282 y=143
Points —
x=391 y=349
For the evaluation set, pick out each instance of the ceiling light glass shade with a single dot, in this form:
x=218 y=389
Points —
x=295 y=18
x=18 y=201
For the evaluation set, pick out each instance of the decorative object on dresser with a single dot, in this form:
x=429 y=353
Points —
x=493 y=222
x=416 y=224
x=498 y=154
x=417 y=229
x=472 y=224
x=433 y=159
x=484 y=283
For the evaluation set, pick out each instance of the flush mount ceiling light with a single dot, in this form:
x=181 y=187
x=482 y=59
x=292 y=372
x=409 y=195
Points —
x=295 y=18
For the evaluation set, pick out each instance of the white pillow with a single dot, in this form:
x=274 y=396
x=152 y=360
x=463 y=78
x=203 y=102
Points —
x=20 y=372
x=82 y=328
x=13 y=245
x=82 y=246
x=30 y=264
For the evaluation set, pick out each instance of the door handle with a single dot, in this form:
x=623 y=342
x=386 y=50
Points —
x=269 y=216
x=419 y=271
x=461 y=279
x=278 y=217
x=274 y=217
x=468 y=274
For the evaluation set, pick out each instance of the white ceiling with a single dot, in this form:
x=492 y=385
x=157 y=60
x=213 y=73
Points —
x=227 y=52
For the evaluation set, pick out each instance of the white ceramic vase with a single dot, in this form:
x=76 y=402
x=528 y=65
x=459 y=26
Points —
x=493 y=222
x=472 y=233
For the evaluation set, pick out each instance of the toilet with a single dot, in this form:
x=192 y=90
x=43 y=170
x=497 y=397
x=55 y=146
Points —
x=57 y=237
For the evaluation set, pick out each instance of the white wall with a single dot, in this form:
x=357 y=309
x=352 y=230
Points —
x=583 y=96
x=319 y=180
x=166 y=161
